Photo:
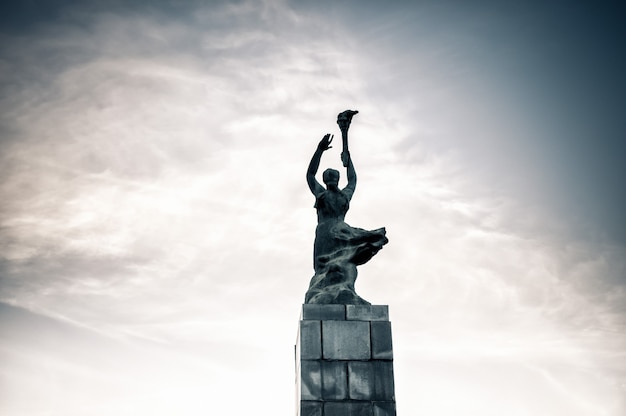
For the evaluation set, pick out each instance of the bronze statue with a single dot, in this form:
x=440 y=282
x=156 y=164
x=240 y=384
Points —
x=338 y=247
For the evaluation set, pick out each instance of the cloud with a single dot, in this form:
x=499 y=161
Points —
x=153 y=193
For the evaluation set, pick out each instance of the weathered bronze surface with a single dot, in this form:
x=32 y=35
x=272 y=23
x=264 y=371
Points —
x=338 y=248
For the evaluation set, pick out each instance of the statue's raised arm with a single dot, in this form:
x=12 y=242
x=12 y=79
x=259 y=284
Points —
x=314 y=165
x=351 y=173
x=338 y=247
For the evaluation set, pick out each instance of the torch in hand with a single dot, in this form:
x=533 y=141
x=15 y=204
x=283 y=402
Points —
x=344 y=119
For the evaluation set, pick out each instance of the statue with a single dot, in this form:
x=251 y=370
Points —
x=338 y=247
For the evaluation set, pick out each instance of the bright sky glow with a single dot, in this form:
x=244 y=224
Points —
x=156 y=229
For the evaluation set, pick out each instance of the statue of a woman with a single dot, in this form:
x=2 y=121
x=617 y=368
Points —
x=338 y=247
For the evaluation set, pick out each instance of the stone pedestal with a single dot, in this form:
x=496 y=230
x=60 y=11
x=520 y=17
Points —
x=344 y=361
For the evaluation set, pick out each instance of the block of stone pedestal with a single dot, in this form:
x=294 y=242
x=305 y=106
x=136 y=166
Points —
x=381 y=340
x=310 y=380
x=384 y=388
x=370 y=380
x=384 y=409
x=346 y=340
x=324 y=312
x=347 y=409
x=310 y=408
x=360 y=387
x=334 y=380
x=310 y=340
x=367 y=312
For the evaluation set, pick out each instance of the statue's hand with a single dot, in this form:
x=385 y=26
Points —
x=345 y=158
x=325 y=143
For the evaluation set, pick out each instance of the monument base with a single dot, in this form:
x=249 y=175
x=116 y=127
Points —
x=344 y=361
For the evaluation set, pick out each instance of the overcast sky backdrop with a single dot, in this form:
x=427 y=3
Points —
x=156 y=229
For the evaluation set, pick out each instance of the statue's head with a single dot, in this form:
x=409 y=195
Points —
x=331 y=178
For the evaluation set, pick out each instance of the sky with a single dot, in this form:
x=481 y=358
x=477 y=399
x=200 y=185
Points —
x=156 y=228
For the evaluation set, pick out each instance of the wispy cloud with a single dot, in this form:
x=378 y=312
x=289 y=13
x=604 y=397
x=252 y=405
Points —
x=153 y=194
